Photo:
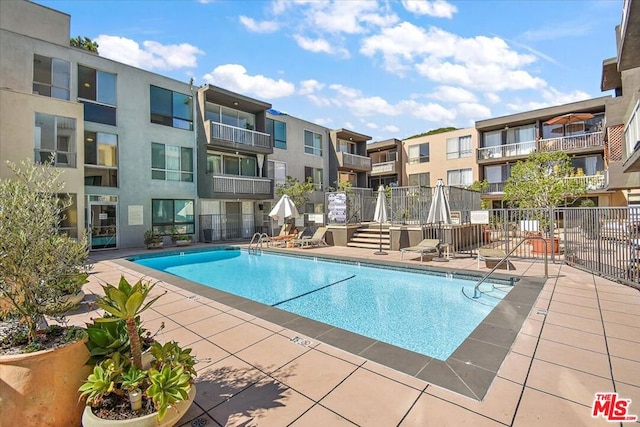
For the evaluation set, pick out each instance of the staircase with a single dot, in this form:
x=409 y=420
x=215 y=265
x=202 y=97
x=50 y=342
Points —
x=368 y=236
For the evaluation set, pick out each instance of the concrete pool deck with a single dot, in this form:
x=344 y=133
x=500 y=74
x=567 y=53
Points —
x=580 y=336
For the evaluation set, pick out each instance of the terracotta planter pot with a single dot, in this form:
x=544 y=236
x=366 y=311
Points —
x=41 y=388
x=553 y=245
x=151 y=420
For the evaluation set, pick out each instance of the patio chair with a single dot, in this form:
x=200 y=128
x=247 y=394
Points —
x=424 y=247
x=316 y=240
x=493 y=256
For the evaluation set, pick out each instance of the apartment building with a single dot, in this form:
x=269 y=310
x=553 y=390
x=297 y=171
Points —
x=387 y=162
x=301 y=150
x=448 y=156
x=348 y=159
x=123 y=137
x=622 y=75
x=505 y=140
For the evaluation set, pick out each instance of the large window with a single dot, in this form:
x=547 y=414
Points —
x=419 y=153
x=100 y=159
x=632 y=131
x=421 y=179
x=316 y=176
x=229 y=116
x=171 y=108
x=223 y=164
x=459 y=147
x=169 y=215
x=171 y=163
x=51 y=77
x=277 y=171
x=460 y=177
x=590 y=165
x=69 y=217
x=55 y=136
x=312 y=143
x=97 y=91
x=344 y=146
x=278 y=131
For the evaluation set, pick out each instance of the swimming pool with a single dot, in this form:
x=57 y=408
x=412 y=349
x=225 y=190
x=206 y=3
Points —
x=424 y=313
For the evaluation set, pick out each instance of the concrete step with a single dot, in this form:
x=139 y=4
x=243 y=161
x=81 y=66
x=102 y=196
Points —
x=368 y=245
x=371 y=240
x=358 y=234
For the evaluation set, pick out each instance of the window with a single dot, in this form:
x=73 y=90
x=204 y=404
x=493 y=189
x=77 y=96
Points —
x=97 y=92
x=315 y=175
x=312 y=143
x=229 y=116
x=344 y=177
x=171 y=163
x=459 y=147
x=51 y=77
x=632 y=131
x=100 y=159
x=419 y=153
x=171 y=108
x=421 y=179
x=346 y=147
x=278 y=132
x=55 y=136
x=460 y=177
x=167 y=215
x=69 y=216
x=231 y=165
x=277 y=171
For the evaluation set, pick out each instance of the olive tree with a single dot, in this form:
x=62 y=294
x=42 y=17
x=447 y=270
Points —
x=543 y=180
x=297 y=191
x=34 y=256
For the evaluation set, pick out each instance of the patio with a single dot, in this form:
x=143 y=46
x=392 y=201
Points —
x=581 y=337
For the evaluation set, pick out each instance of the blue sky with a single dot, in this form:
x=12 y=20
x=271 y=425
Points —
x=388 y=69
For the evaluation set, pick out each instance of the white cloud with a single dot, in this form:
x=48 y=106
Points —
x=323 y=121
x=345 y=92
x=473 y=110
x=371 y=125
x=320 y=101
x=550 y=97
x=259 y=27
x=492 y=97
x=344 y=16
x=391 y=128
x=320 y=45
x=430 y=112
x=555 y=31
x=453 y=94
x=234 y=77
x=435 y=8
x=371 y=106
x=310 y=86
x=151 y=56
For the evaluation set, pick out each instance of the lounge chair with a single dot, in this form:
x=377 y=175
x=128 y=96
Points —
x=316 y=240
x=424 y=247
x=283 y=234
x=492 y=256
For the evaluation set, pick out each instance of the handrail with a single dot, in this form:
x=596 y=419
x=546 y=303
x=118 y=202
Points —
x=476 y=292
x=258 y=242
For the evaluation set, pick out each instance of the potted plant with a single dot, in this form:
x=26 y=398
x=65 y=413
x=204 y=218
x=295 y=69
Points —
x=38 y=265
x=152 y=239
x=180 y=239
x=121 y=385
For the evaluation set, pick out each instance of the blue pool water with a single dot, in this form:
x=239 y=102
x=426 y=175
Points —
x=419 y=312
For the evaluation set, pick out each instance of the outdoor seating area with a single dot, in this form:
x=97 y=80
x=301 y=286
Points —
x=492 y=257
x=426 y=246
x=313 y=241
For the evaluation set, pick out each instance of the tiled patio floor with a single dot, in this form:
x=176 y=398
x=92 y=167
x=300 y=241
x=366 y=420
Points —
x=251 y=372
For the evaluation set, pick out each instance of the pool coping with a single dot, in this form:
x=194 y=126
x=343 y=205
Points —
x=469 y=370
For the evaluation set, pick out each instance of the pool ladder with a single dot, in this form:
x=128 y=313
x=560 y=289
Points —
x=261 y=237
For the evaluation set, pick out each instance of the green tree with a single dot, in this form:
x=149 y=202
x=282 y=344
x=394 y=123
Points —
x=543 y=180
x=433 y=132
x=34 y=255
x=84 y=43
x=297 y=191
x=480 y=187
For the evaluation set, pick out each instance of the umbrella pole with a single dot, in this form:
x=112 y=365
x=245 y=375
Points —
x=380 y=251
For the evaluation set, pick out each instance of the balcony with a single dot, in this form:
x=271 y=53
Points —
x=245 y=140
x=593 y=182
x=354 y=162
x=384 y=168
x=574 y=144
x=225 y=186
x=494 y=187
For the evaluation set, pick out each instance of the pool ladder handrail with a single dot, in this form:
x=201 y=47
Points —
x=258 y=242
x=476 y=291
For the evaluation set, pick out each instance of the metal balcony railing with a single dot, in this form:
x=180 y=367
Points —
x=349 y=160
x=565 y=143
x=251 y=138
x=241 y=185
x=593 y=182
x=384 y=167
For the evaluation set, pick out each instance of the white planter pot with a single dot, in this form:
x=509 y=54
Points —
x=151 y=420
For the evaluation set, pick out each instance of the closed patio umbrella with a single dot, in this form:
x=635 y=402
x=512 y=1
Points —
x=284 y=209
x=380 y=215
x=439 y=211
